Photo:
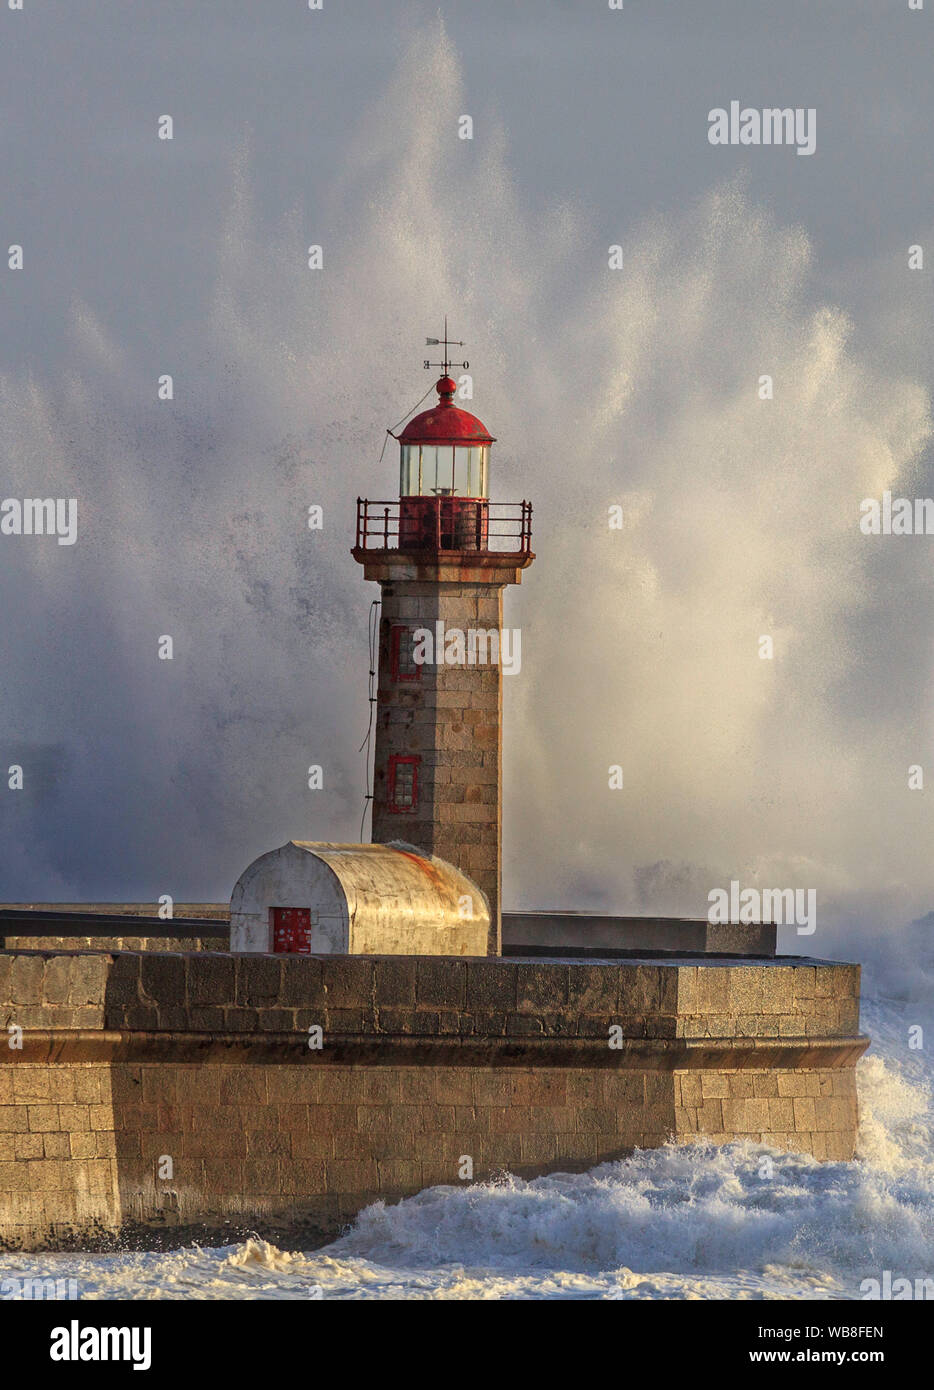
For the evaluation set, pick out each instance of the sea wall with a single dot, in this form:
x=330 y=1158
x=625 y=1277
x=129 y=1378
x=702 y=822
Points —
x=176 y=1094
x=113 y=927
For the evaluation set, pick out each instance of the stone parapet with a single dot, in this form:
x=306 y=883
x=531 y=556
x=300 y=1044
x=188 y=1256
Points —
x=430 y=995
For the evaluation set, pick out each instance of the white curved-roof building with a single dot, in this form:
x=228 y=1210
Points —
x=321 y=899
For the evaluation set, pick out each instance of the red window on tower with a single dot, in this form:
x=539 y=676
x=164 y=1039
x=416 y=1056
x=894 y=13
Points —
x=403 y=784
x=402 y=663
x=291 y=930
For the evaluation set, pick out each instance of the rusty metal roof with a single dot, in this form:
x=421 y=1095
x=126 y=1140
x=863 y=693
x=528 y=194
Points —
x=445 y=423
x=399 y=882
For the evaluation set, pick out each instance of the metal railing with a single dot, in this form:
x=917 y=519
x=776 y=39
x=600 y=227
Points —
x=444 y=523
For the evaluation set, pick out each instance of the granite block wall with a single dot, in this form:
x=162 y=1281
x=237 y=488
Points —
x=451 y=719
x=177 y=1093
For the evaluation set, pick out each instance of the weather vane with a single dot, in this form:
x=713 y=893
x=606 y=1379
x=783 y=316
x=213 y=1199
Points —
x=447 y=364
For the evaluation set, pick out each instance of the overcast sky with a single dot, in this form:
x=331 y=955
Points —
x=339 y=127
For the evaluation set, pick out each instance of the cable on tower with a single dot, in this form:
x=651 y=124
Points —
x=373 y=634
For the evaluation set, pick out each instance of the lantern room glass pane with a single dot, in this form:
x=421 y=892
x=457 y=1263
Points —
x=443 y=470
x=438 y=478
x=479 y=471
x=462 y=472
x=408 y=470
x=470 y=471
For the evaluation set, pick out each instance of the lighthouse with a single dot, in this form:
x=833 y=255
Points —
x=442 y=554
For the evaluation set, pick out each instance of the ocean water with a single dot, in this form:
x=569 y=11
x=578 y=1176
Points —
x=685 y=1221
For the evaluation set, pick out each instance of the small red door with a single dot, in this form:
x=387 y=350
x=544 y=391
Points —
x=291 y=930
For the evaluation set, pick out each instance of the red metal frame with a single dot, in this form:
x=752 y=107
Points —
x=397 y=632
x=291 y=930
x=500 y=528
x=397 y=760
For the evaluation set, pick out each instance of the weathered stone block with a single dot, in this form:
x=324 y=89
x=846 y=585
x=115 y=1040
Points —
x=211 y=979
x=538 y=1148
x=351 y=1175
x=89 y=978
x=31 y=1084
x=394 y=982
x=781 y=1114
x=640 y=988
x=584 y=1088
x=691 y=1089
x=203 y=1018
x=259 y=981
x=712 y=990
x=452 y=1086
x=491 y=984
x=625 y=1087
x=31 y=1145
x=43 y=1118
x=836 y=981
x=747 y=989
x=441 y=982
x=596 y=1119
x=710 y=1117
x=26 y=975
x=593 y=989
x=284 y=1021
x=524 y=1025
x=83 y=1143
x=163 y=979
x=58 y=977
x=302 y=982
x=348 y=981
x=123 y=982
x=541 y=988
x=805 y=1118
x=509 y=1119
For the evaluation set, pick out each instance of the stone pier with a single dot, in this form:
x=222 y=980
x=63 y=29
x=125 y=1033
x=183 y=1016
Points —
x=166 y=1095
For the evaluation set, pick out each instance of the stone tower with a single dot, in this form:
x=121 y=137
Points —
x=442 y=554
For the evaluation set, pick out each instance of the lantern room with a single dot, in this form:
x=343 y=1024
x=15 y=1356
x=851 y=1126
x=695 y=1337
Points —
x=444 y=487
x=444 y=477
x=445 y=451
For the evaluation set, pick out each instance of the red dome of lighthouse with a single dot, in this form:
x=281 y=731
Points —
x=445 y=423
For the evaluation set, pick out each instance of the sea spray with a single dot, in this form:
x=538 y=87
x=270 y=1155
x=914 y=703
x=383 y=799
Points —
x=736 y=522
